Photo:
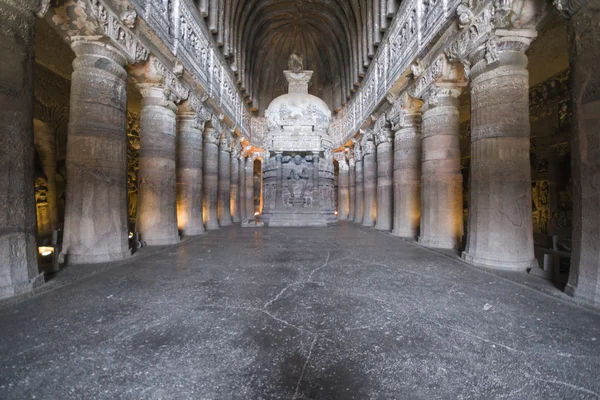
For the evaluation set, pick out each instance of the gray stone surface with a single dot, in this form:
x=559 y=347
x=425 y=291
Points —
x=95 y=228
x=235 y=183
x=18 y=249
x=342 y=313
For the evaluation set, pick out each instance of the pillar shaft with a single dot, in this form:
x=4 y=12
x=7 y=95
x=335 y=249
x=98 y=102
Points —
x=211 y=178
x=249 y=188
x=343 y=190
x=189 y=174
x=359 y=193
x=224 y=196
x=352 y=189
x=18 y=249
x=441 y=178
x=45 y=143
x=317 y=201
x=242 y=174
x=500 y=226
x=385 y=172
x=157 y=198
x=370 y=185
x=96 y=197
x=235 y=187
x=407 y=177
x=279 y=187
x=584 y=279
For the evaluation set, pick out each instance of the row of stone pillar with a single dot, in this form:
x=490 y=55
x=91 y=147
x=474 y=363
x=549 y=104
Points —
x=426 y=202
x=185 y=179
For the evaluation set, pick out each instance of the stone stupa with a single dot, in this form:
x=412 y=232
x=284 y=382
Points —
x=298 y=172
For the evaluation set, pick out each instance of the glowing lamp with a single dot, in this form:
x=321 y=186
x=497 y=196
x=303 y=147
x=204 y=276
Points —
x=45 y=250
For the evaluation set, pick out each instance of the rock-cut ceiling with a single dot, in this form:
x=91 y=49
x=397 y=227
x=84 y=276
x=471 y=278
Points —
x=336 y=39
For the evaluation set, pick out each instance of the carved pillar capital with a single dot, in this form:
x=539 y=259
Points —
x=154 y=73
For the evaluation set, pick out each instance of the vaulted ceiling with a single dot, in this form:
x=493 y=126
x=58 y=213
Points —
x=336 y=38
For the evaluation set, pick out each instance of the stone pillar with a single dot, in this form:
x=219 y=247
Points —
x=235 y=183
x=279 y=187
x=500 y=226
x=385 y=172
x=242 y=180
x=351 y=185
x=18 y=249
x=343 y=187
x=157 y=193
x=211 y=178
x=45 y=143
x=407 y=170
x=223 y=202
x=249 y=187
x=359 y=191
x=189 y=172
x=96 y=198
x=584 y=36
x=317 y=201
x=370 y=183
x=441 y=177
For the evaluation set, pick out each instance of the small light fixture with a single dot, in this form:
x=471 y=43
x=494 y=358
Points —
x=130 y=235
x=336 y=213
x=45 y=250
x=256 y=214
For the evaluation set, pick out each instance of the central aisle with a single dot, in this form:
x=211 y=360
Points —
x=321 y=313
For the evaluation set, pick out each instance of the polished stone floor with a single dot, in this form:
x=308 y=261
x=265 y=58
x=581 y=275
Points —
x=295 y=313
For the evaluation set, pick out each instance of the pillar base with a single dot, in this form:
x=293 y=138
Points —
x=212 y=226
x=22 y=287
x=80 y=259
x=368 y=224
x=382 y=228
x=161 y=241
x=482 y=262
x=413 y=235
x=192 y=232
x=583 y=297
x=225 y=223
x=438 y=244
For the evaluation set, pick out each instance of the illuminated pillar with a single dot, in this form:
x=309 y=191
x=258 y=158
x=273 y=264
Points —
x=224 y=195
x=18 y=249
x=407 y=169
x=441 y=177
x=95 y=229
x=211 y=178
x=385 y=172
x=157 y=199
x=189 y=172
x=249 y=187
x=370 y=183
x=242 y=188
x=279 y=187
x=235 y=183
x=500 y=226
